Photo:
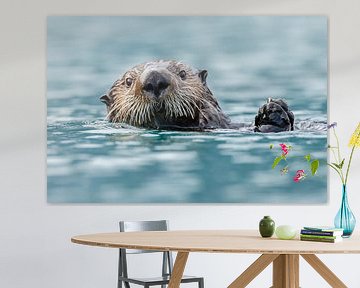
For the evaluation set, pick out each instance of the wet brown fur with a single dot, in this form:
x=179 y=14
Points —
x=185 y=104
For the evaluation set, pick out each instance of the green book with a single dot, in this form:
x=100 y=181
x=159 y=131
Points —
x=325 y=240
x=319 y=236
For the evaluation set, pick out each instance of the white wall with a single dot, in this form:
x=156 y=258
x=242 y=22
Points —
x=35 y=248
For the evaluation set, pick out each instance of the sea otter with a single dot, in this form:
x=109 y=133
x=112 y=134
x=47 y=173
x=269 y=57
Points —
x=172 y=95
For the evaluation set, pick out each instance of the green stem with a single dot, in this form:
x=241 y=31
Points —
x=348 y=167
x=333 y=152
x=339 y=160
x=351 y=155
x=338 y=146
x=337 y=171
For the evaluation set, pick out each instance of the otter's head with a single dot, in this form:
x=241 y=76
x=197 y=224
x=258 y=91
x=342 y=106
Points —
x=274 y=116
x=163 y=95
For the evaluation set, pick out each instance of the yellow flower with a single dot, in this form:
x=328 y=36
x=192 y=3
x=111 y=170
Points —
x=355 y=137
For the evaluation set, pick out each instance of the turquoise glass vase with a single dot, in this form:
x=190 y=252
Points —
x=345 y=219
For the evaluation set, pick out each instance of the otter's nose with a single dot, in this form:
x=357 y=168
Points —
x=155 y=83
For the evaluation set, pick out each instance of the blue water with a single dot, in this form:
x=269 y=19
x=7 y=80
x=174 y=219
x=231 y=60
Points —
x=248 y=59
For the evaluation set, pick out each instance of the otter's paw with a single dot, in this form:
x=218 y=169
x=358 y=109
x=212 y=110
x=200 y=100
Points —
x=274 y=116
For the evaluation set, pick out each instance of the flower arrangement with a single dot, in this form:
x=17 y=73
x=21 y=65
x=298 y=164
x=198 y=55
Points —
x=337 y=165
x=344 y=218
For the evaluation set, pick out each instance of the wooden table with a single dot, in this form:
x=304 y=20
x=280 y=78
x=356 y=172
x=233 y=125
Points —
x=284 y=254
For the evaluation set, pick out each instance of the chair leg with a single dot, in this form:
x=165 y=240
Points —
x=119 y=270
x=201 y=283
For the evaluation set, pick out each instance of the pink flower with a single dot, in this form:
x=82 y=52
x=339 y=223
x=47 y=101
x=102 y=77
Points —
x=300 y=175
x=284 y=148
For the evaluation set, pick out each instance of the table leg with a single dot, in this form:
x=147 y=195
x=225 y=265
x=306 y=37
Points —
x=286 y=271
x=324 y=271
x=178 y=269
x=253 y=270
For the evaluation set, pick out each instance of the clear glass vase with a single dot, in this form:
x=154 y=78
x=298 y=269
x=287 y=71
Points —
x=345 y=219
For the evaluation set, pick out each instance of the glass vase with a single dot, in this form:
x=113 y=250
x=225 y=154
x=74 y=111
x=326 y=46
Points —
x=345 y=219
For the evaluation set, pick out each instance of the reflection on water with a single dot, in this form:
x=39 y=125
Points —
x=248 y=58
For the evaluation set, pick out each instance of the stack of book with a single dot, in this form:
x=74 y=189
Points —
x=321 y=234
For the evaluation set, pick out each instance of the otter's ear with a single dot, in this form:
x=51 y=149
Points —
x=105 y=99
x=203 y=74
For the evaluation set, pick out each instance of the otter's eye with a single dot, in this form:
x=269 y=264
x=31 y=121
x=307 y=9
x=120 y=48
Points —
x=182 y=74
x=128 y=82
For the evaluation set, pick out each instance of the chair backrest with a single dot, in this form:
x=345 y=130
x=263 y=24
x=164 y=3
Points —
x=134 y=226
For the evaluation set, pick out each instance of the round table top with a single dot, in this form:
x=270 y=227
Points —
x=217 y=241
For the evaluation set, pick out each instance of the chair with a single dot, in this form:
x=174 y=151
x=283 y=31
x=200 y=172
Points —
x=167 y=262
